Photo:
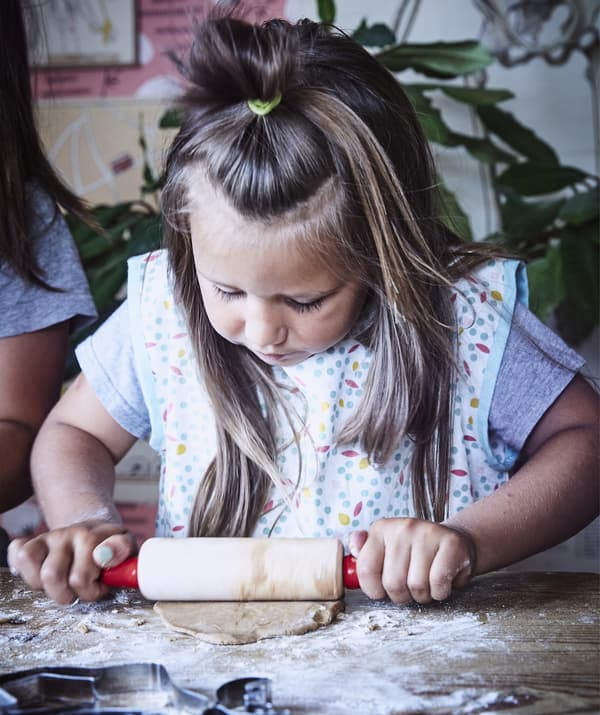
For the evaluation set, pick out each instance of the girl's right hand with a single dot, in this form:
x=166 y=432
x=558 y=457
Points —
x=66 y=562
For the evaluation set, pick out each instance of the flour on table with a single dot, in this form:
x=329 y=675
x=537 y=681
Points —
x=235 y=623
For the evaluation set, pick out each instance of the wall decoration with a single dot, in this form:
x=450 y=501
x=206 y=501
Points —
x=161 y=26
x=88 y=33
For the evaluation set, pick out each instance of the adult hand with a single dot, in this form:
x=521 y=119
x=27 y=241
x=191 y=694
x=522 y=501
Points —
x=412 y=559
x=66 y=562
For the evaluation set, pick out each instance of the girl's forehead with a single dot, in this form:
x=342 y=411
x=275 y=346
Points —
x=325 y=204
x=218 y=227
x=258 y=259
x=218 y=236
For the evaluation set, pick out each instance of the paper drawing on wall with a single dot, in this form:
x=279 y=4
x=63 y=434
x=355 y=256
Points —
x=87 y=33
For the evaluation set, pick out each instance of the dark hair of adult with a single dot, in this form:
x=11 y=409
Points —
x=23 y=157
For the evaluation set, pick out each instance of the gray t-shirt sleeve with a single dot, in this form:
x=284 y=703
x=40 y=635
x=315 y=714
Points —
x=106 y=358
x=25 y=307
x=536 y=367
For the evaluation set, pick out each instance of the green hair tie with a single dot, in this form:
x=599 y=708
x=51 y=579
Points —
x=258 y=106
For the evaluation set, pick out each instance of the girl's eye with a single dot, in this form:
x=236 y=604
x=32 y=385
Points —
x=305 y=307
x=227 y=295
x=294 y=304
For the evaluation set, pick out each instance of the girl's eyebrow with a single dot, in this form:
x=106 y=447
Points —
x=210 y=279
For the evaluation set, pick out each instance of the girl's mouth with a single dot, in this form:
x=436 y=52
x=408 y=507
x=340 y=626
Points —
x=279 y=358
x=275 y=357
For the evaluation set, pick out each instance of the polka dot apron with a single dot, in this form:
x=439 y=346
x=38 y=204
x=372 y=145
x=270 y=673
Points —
x=338 y=489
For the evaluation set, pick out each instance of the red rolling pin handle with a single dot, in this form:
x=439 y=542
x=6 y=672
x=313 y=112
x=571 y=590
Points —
x=125 y=575
x=349 y=572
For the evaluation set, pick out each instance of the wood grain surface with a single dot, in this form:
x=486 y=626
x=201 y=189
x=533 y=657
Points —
x=516 y=643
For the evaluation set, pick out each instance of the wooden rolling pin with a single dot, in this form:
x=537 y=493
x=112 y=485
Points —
x=237 y=569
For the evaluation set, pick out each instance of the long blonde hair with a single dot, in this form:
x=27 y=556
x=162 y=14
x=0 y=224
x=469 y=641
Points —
x=344 y=146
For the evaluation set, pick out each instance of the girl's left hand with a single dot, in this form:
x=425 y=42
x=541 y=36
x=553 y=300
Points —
x=412 y=560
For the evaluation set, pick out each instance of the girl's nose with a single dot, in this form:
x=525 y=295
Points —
x=264 y=325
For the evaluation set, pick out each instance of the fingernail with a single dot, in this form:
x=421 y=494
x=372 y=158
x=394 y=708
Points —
x=102 y=555
x=75 y=602
x=13 y=571
x=353 y=547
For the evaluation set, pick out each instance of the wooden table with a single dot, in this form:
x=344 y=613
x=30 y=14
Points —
x=512 y=643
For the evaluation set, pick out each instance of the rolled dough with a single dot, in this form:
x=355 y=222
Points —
x=235 y=623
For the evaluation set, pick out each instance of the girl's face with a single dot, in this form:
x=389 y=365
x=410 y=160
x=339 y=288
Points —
x=259 y=291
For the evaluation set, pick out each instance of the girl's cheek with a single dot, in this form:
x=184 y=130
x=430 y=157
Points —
x=229 y=324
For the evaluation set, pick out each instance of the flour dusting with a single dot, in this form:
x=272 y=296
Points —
x=375 y=659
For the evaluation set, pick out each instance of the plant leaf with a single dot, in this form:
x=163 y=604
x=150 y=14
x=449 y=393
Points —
x=525 y=220
x=504 y=125
x=378 y=35
x=531 y=179
x=430 y=118
x=484 y=149
x=146 y=236
x=546 y=286
x=579 y=313
x=171 y=119
x=581 y=208
x=437 y=59
x=151 y=183
x=453 y=215
x=80 y=231
x=106 y=281
x=467 y=95
x=106 y=215
x=477 y=95
x=326 y=11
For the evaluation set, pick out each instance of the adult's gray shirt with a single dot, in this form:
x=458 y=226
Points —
x=25 y=308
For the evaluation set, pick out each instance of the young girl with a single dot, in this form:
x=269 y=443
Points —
x=314 y=353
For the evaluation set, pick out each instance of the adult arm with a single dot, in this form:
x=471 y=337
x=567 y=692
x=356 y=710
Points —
x=30 y=381
x=34 y=330
x=73 y=475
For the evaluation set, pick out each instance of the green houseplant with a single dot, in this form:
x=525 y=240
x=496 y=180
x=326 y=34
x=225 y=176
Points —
x=549 y=213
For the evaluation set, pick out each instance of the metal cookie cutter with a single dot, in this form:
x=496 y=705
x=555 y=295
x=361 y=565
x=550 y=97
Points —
x=131 y=689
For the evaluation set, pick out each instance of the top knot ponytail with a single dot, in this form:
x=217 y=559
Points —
x=232 y=61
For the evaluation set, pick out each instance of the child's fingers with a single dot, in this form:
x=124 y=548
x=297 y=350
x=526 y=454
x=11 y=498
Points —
x=394 y=577
x=25 y=557
x=55 y=571
x=369 y=565
x=114 y=549
x=60 y=562
x=451 y=568
x=418 y=578
x=84 y=575
x=464 y=575
x=356 y=541
x=93 y=548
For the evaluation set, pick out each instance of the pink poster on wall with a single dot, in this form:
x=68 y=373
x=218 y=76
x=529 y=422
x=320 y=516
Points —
x=162 y=25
